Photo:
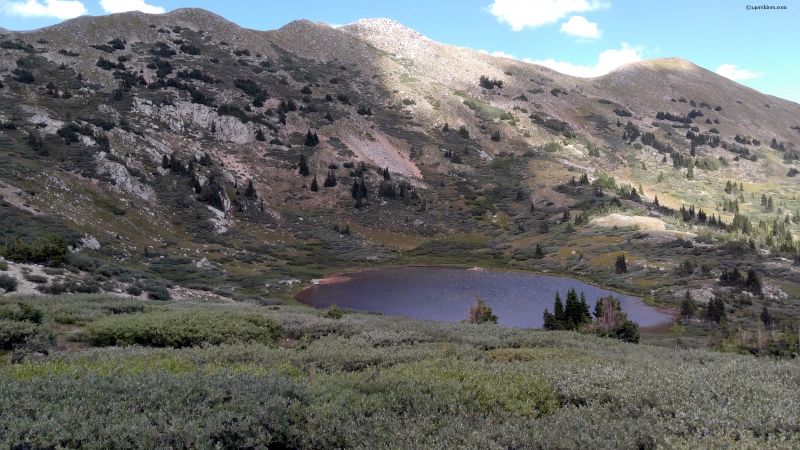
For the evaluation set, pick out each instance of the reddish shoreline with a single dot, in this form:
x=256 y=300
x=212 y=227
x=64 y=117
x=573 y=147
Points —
x=332 y=280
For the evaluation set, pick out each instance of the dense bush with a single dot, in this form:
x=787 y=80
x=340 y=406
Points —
x=51 y=250
x=8 y=282
x=182 y=328
x=224 y=409
x=13 y=333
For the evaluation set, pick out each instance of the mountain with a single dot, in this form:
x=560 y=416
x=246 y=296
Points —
x=179 y=153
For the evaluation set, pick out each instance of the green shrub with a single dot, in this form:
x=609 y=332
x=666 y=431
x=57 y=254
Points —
x=182 y=328
x=333 y=312
x=51 y=250
x=490 y=389
x=3 y=265
x=13 y=333
x=21 y=312
x=134 y=290
x=158 y=293
x=8 y=282
x=223 y=410
x=22 y=331
x=38 y=279
x=551 y=147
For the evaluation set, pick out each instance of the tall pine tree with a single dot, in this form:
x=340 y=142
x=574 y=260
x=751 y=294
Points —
x=303 y=166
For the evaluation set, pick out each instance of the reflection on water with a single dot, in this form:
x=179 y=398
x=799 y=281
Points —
x=442 y=293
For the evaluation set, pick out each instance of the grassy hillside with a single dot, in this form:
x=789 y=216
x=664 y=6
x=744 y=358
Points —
x=246 y=375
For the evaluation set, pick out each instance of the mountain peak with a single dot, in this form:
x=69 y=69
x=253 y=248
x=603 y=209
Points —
x=381 y=27
x=669 y=63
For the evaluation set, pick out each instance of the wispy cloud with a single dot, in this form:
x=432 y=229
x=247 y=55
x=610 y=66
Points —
x=533 y=13
x=580 y=27
x=59 y=9
x=606 y=62
x=118 y=6
x=500 y=54
x=730 y=71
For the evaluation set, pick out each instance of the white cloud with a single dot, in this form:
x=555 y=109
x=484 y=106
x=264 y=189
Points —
x=730 y=71
x=60 y=9
x=118 y=6
x=606 y=62
x=533 y=13
x=579 y=26
x=500 y=54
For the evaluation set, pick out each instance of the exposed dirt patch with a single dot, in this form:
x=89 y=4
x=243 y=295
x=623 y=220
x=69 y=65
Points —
x=646 y=223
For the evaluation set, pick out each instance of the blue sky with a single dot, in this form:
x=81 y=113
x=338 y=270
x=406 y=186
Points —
x=582 y=37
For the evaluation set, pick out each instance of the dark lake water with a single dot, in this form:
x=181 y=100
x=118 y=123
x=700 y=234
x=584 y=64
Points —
x=443 y=293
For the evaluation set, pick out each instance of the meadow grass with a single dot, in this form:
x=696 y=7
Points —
x=232 y=374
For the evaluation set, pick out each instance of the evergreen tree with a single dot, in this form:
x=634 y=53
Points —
x=715 y=310
x=550 y=322
x=598 y=309
x=585 y=316
x=687 y=306
x=655 y=201
x=539 y=253
x=303 y=166
x=446 y=127
x=314 y=185
x=250 y=191
x=165 y=164
x=765 y=317
x=571 y=317
x=260 y=135
x=753 y=282
x=330 y=179
x=574 y=310
x=175 y=164
x=311 y=139
x=359 y=192
x=621 y=265
x=386 y=175
x=558 y=310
